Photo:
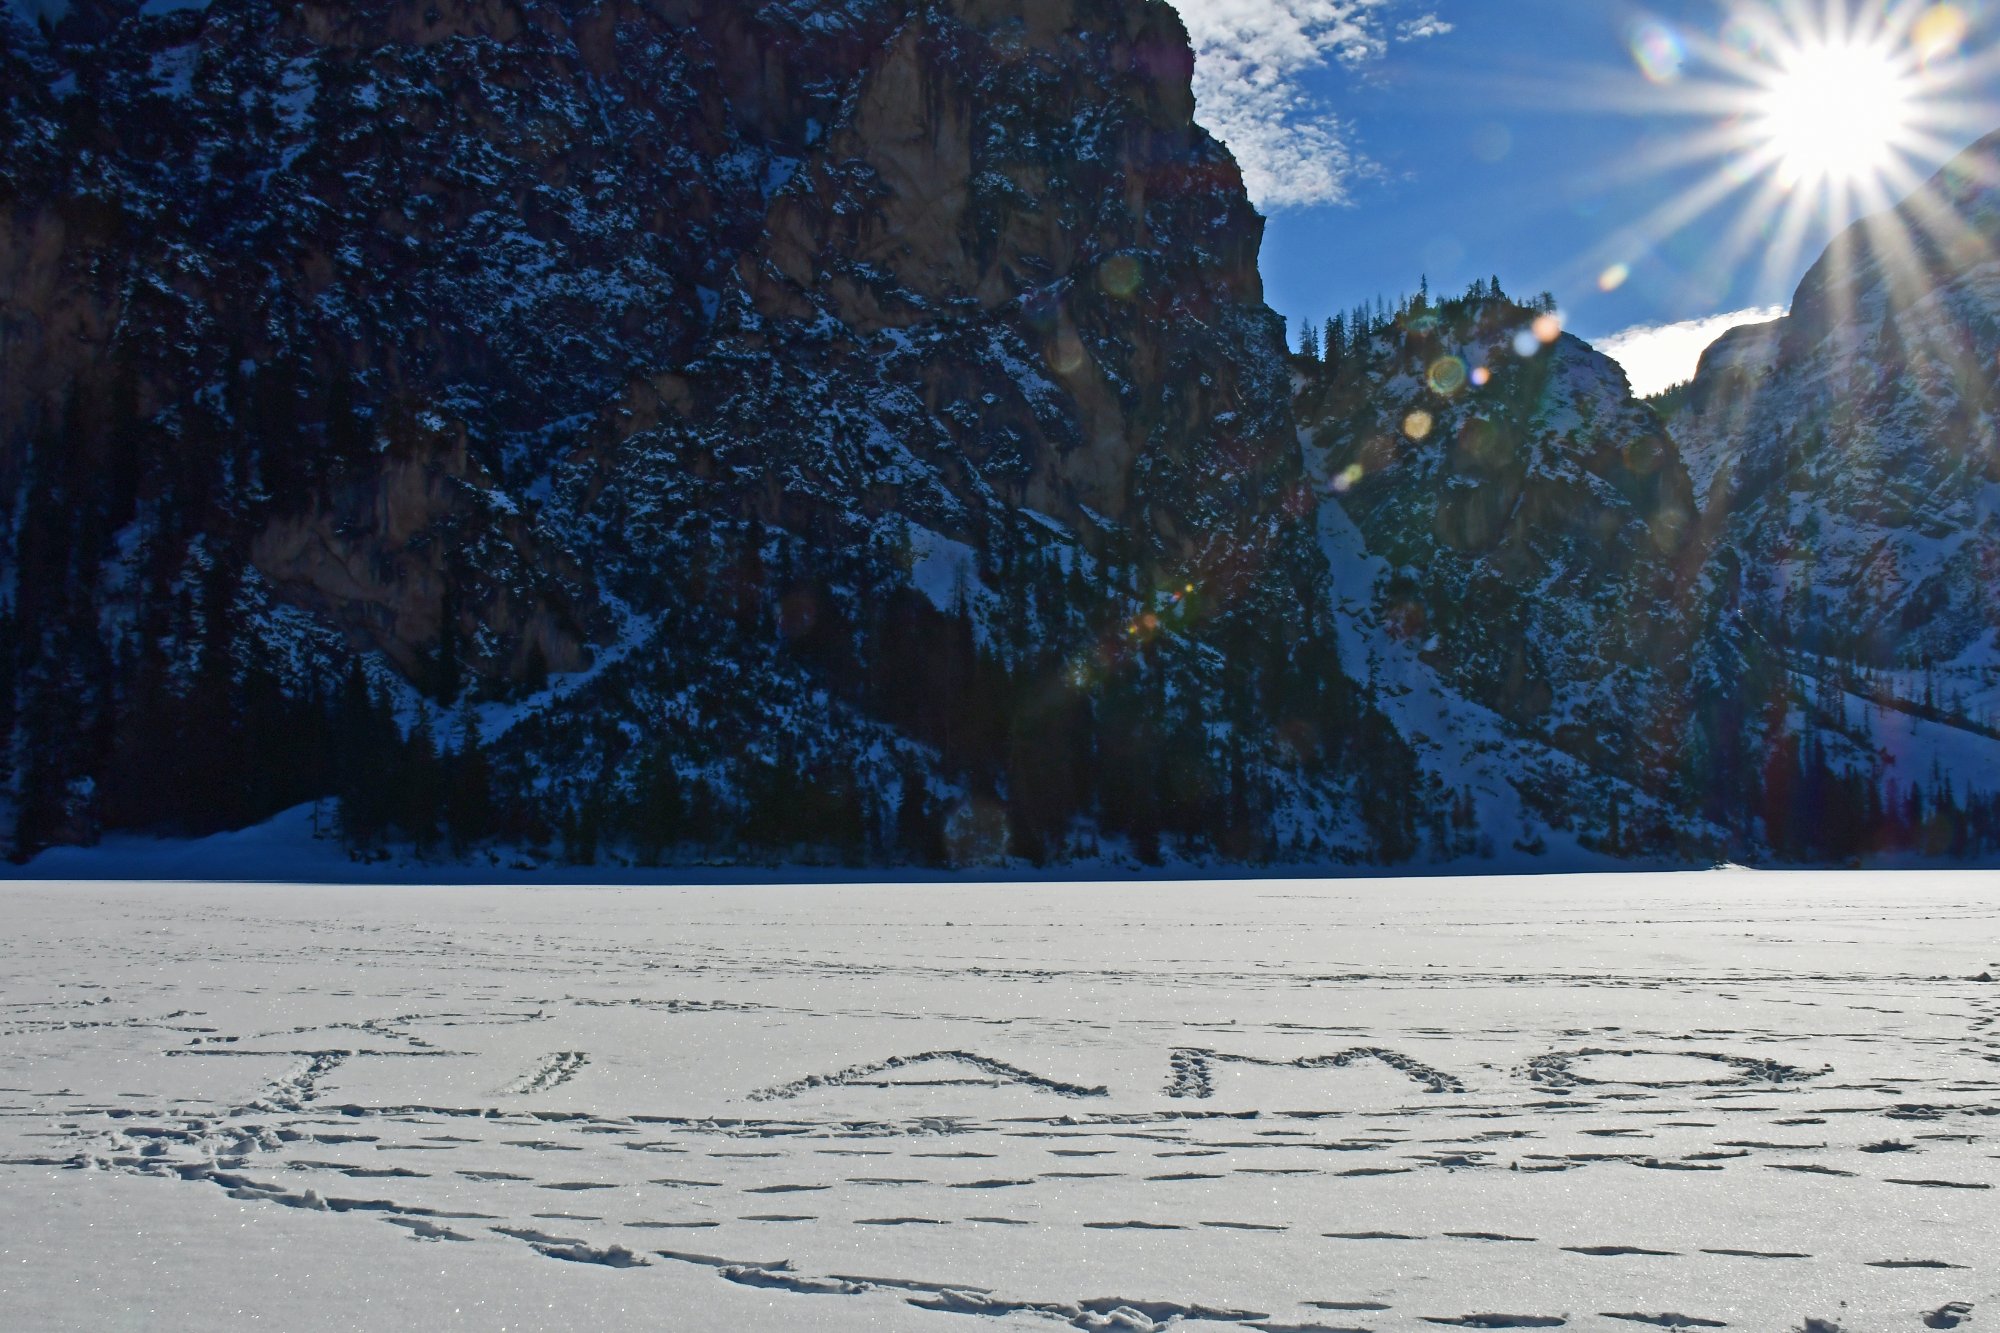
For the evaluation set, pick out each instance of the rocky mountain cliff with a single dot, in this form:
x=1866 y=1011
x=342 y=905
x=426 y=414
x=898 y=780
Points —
x=1848 y=453
x=1528 y=537
x=1848 y=473
x=661 y=430
x=1765 y=624
x=816 y=424
x=1536 y=517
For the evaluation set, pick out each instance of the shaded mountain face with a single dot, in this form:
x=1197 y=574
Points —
x=1765 y=627
x=1014 y=277
x=864 y=399
x=1535 y=520
x=432 y=233
x=1848 y=453
x=853 y=429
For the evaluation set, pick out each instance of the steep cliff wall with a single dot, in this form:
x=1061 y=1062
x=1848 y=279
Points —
x=898 y=368
x=1536 y=522
x=1852 y=447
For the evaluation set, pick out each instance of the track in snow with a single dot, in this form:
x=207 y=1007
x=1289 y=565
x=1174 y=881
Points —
x=1683 y=1102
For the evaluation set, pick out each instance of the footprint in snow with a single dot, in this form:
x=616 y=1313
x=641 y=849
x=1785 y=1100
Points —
x=1244 y=1226
x=1134 y=1226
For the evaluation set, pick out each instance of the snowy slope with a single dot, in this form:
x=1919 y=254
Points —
x=589 y=402
x=1467 y=748
x=1594 y=1103
x=1847 y=456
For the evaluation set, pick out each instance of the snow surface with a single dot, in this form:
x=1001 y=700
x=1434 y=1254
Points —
x=1599 y=1102
x=941 y=567
x=1916 y=750
x=1465 y=746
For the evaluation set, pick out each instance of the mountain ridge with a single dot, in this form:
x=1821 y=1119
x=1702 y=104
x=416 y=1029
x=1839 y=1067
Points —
x=846 y=432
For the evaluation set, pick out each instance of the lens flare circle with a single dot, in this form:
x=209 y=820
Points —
x=1120 y=276
x=1658 y=51
x=1446 y=376
x=1940 y=32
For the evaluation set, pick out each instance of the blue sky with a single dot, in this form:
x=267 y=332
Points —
x=1389 y=139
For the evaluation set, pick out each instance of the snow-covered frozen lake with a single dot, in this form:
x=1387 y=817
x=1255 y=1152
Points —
x=1596 y=1102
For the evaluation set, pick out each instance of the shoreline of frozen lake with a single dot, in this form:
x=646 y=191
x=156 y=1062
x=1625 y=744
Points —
x=296 y=847
x=1613 y=1101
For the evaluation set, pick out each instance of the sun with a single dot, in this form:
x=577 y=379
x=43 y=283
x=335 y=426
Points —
x=1837 y=113
x=1782 y=119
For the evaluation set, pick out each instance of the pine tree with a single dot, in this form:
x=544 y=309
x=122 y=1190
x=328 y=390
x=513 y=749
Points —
x=421 y=786
x=210 y=785
x=659 y=810
x=583 y=829
x=535 y=673
x=468 y=812
x=9 y=674
x=366 y=754
x=42 y=818
x=919 y=830
x=447 y=671
x=349 y=448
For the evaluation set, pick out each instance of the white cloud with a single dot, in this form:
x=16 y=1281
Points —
x=1659 y=356
x=1251 y=58
x=1430 y=25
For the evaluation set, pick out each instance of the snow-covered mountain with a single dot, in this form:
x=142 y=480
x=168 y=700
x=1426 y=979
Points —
x=817 y=424
x=1848 y=466
x=1848 y=453
x=1531 y=527
x=1766 y=624
x=853 y=429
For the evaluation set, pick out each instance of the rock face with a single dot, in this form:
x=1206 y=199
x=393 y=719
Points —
x=429 y=544
x=486 y=214
x=1847 y=665
x=853 y=429
x=1535 y=523
x=897 y=369
x=999 y=354
x=1015 y=259
x=1849 y=451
